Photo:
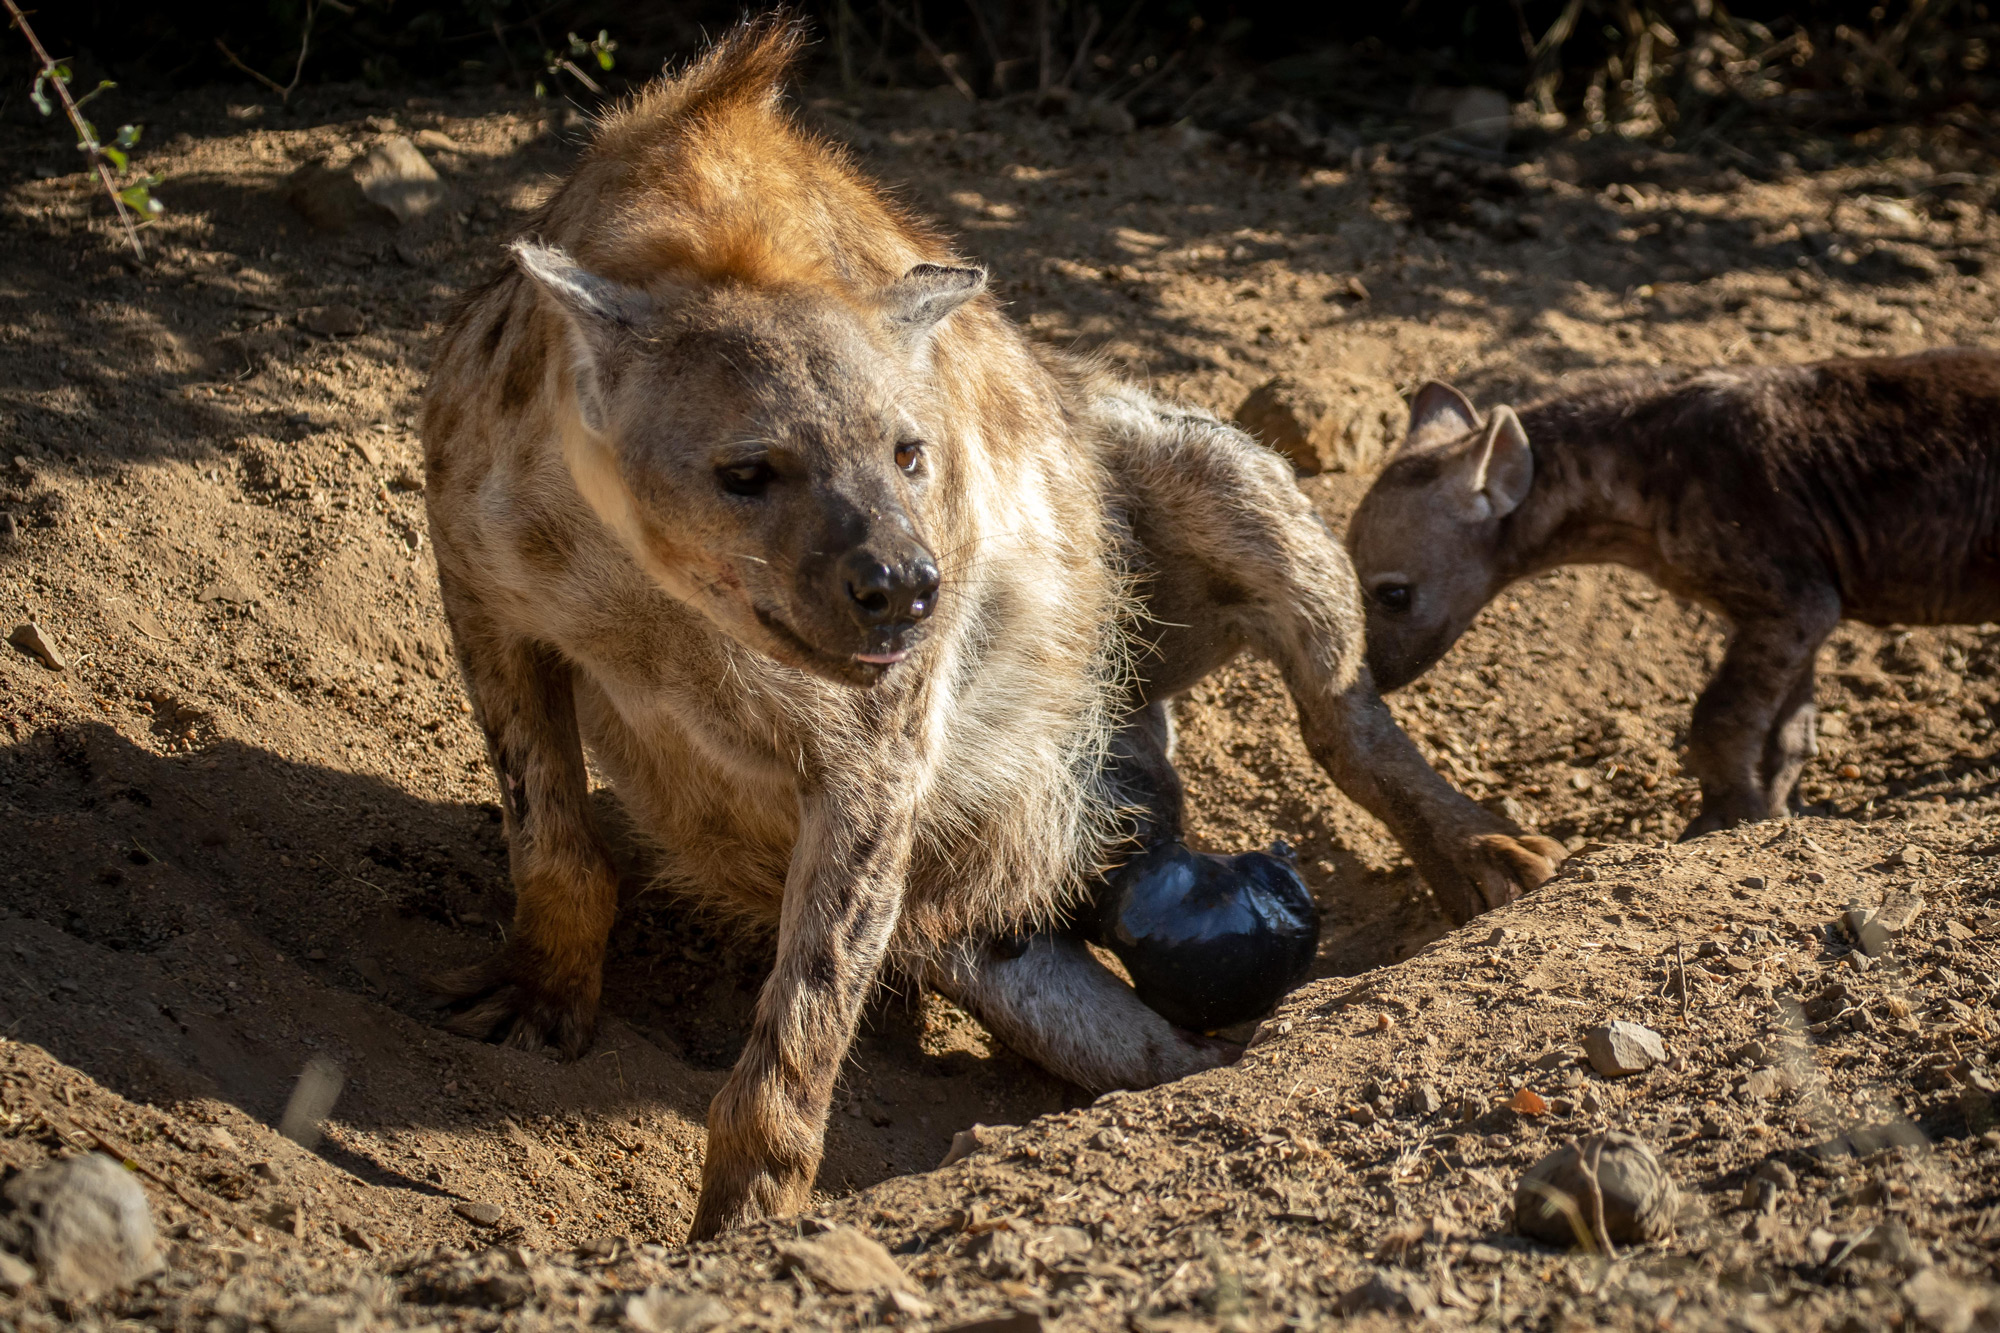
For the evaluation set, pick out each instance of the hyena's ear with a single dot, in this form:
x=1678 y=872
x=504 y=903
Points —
x=1506 y=466
x=915 y=302
x=598 y=311
x=1438 y=415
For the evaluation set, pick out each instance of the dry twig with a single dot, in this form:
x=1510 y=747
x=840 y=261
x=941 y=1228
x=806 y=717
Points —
x=285 y=90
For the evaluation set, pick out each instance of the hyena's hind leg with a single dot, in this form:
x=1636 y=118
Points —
x=542 y=988
x=1239 y=558
x=1751 y=731
x=1048 y=997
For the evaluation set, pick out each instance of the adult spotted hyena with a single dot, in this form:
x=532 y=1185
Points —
x=870 y=609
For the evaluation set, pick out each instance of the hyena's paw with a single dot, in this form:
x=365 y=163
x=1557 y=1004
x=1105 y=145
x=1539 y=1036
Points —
x=1507 y=865
x=510 y=1000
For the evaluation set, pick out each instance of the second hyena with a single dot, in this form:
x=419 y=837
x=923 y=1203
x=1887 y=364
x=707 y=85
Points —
x=870 y=609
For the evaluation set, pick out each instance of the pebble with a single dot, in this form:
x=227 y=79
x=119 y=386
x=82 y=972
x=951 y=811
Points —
x=977 y=1139
x=1618 y=1049
x=845 y=1260
x=657 y=1310
x=39 y=644
x=16 y=1274
x=1424 y=1099
x=1553 y=1199
x=479 y=1214
x=91 y=1226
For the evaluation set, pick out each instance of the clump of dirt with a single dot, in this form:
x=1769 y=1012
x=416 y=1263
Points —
x=252 y=816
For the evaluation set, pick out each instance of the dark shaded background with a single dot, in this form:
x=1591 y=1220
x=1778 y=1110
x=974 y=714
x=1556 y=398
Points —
x=1668 y=69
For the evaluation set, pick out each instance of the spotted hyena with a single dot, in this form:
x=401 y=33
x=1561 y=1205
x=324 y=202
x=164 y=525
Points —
x=1784 y=497
x=870 y=608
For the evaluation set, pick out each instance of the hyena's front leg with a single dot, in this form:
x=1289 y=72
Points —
x=542 y=987
x=1239 y=556
x=767 y=1125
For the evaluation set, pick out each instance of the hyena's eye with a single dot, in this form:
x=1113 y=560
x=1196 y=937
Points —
x=1392 y=597
x=908 y=454
x=746 y=478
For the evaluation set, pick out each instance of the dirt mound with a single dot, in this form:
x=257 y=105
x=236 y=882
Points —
x=252 y=816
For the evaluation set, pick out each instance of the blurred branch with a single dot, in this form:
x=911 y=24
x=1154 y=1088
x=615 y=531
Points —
x=284 y=91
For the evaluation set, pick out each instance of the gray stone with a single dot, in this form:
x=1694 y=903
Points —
x=91 y=1227
x=39 y=644
x=479 y=1214
x=1618 y=1049
x=16 y=1274
x=391 y=184
x=395 y=176
x=657 y=1310
x=845 y=1260
x=1339 y=423
x=1554 y=1201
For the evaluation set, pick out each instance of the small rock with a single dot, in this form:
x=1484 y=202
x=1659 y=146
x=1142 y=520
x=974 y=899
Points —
x=657 y=1310
x=1764 y=1084
x=1423 y=1099
x=977 y=1139
x=479 y=1214
x=91 y=1226
x=39 y=644
x=1553 y=1202
x=1392 y=1292
x=392 y=183
x=1910 y=855
x=1886 y=1242
x=1899 y=912
x=334 y=321
x=10 y=527
x=1341 y=423
x=16 y=1274
x=437 y=141
x=1618 y=1049
x=845 y=1260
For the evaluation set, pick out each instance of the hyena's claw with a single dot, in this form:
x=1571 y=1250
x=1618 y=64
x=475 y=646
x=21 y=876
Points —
x=1512 y=864
x=507 y=1001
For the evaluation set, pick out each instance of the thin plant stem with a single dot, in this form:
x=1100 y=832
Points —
x=85 y=138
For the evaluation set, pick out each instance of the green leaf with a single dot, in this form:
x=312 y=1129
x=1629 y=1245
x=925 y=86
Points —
x=39 y=98
x=128 y=136
x=604 y=60
x=541 y=89
x=115 y=156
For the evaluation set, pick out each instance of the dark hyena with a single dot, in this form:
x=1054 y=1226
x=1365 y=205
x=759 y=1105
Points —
x=1784 y=497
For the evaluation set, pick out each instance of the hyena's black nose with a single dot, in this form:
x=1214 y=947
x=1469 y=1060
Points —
x=885 y=592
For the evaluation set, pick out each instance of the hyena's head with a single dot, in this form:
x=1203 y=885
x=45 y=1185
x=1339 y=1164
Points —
x=767 y=451
x=1426 y=538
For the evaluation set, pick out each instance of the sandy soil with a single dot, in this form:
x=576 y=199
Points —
x=252 y=815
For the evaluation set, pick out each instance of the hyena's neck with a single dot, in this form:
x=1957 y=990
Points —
x=1589 y=504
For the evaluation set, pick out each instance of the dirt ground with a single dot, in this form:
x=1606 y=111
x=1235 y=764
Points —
x=252 y=815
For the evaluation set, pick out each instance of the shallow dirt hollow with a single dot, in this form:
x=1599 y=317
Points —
x=251 y=817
